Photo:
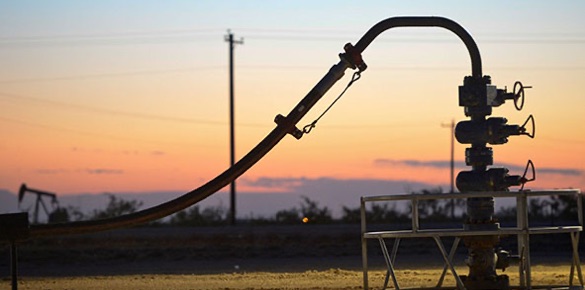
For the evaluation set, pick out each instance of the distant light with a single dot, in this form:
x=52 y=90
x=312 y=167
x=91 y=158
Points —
x=305 y=220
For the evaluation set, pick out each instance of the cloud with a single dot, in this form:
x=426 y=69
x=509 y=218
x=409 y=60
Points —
x=51 y=171
x=335 y=186
x=126 y=152
x=416 y=163
x=560 y=171
x=332 y=193
x=442 y=164
x=103 y=171
x=273 y=183
x=87 y=171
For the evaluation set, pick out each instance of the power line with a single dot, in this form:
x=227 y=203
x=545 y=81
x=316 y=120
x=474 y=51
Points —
x=424 y=40
x=376 y=126
x=136 y=115
x=194 y=35
x=111 y=34
x=318 y=32
x=265 y=67
x=105 y=41
x=86 y=133
x=111 y=75
x=422 y=33
x=155 y=117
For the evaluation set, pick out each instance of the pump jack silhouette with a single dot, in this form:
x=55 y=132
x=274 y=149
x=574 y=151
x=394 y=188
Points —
x=39 y=201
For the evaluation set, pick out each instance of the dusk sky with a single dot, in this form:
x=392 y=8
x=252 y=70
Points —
x=132 y=96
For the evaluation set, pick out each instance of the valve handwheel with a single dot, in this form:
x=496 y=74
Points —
x=519 y=95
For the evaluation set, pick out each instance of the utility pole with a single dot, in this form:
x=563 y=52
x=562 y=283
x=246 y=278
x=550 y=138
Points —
x=452 y=126
x=230 y=39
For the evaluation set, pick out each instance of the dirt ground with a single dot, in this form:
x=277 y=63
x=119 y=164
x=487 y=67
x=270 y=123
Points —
x=247 y=258
x=310 y=279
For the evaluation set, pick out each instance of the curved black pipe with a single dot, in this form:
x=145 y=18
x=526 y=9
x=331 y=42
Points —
x=425 y=21
x=285 y=126
x=150 y=214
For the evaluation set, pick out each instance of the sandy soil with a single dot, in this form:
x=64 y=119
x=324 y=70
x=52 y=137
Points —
x=310 y=279
x=245 y=258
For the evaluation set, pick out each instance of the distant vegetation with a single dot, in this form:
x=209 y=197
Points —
x=116 y=206
x=544 y=210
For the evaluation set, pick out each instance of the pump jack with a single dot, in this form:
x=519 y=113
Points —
x=39 y=201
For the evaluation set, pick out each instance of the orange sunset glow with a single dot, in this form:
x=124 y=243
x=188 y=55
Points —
x=112 y=97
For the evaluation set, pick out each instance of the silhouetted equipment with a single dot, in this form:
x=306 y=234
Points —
x=476 y=95
x=14 y=227
x=232 y=43
x=39 y=202
x=498 y=259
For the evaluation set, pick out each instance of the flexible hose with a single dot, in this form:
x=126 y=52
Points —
x=214 y=185
x=284 y=127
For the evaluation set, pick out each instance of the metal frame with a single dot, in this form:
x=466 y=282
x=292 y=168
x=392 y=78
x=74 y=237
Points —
x=522 y=231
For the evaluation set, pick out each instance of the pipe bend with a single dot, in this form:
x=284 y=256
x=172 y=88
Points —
x=214 y=185
x=267 y=143
x=425 y=21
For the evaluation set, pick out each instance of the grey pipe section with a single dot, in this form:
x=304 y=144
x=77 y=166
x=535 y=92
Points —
x=430 y=21
x=273 y=138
